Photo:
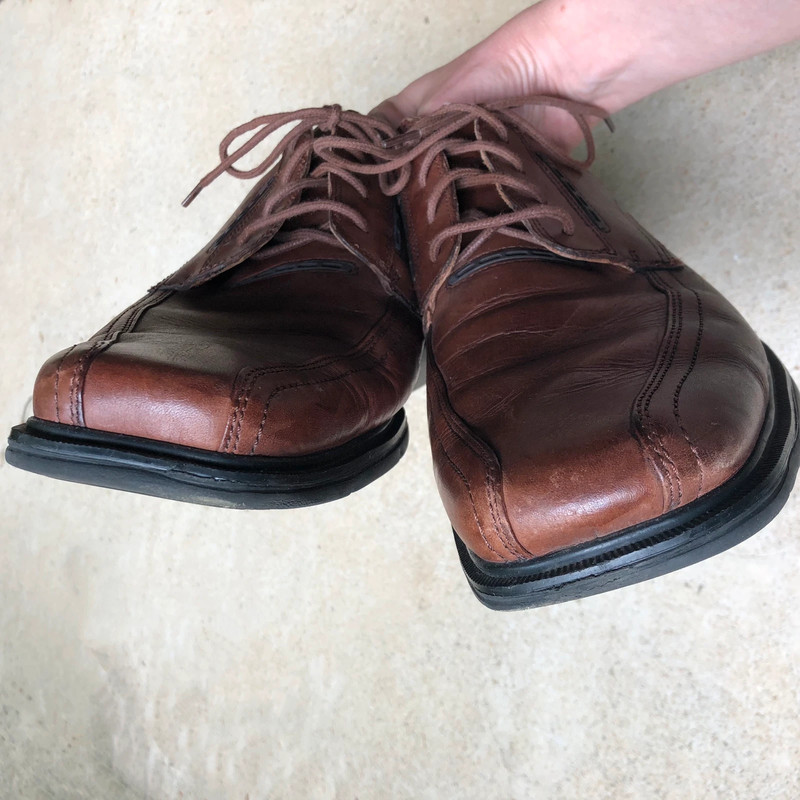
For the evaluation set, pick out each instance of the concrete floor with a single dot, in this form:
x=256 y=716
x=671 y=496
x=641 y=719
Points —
x=157 y=650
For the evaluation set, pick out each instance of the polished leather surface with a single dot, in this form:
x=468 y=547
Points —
x=579 y=386
x=250 y=349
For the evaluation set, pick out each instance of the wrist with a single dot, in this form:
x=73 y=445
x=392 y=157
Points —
x=616 y=52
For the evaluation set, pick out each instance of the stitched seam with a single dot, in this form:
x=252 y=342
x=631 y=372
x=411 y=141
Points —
x=252 y=246
x=676 y=397
x=321 y=361
x=58 y=380
x=279 y=389
x=386 y=268
x=464 y=480
x=656 y=375
x=499 y=535
x=574 y=205
x=658 y=460
x=452 y=202
x=667 y=259
x=78 y=374
x=471 y=498
x=677 y=330
x=578 y=200
x=412 y=253
x=411 y=239
x=81 y=369
x=511 y=544
x=451 y=199
x=565 y=195
x=641 y=418
x=233 y=429
x=243 y=397
x=215 y=268
x=246 y=376
x=491 y=493
x=238 y=223
x=110 y=326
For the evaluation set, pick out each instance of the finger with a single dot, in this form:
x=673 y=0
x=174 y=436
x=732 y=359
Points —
x=389 y=112
x=415 y=98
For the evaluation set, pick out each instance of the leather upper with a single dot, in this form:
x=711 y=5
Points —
x=578 y=385
x=256 y=347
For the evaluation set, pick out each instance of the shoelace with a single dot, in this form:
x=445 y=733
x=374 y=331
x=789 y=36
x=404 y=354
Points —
x=356 y=144
x=434 y=135
x=357 y=135
x=440 y=133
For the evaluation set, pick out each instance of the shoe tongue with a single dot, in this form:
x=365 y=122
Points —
x=241 y=236
x=488 y=200
x=477 y=201
x=312 y=219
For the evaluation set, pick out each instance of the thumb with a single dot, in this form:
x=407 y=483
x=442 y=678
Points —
x=505 y=64
x=388 y=111
x=425 y=94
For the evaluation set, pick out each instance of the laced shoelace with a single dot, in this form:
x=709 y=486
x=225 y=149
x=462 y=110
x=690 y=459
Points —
x=356 y=144
x=440 y=132
x=356 y=135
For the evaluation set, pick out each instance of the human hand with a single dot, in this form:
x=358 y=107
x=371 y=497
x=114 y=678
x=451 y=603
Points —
x=521 y=58
x=608 y=55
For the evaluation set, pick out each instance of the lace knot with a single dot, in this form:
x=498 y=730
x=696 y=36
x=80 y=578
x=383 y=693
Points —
x=334 y=119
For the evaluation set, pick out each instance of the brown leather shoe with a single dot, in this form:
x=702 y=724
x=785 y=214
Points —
x=271 y=369
x=599 y=414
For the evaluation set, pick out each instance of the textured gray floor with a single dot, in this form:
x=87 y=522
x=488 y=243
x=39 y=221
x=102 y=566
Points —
x=156 y=650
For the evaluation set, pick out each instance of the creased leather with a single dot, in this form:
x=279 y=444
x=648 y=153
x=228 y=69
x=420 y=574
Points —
x=248 y=350
x=610 y=384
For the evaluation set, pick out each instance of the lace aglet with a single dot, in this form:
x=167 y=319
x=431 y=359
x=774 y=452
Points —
x=411 y=137
x=191 y=196
x=610 y=124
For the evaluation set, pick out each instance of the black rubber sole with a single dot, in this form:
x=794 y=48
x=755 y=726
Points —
x=715 y=522
x=192 y=475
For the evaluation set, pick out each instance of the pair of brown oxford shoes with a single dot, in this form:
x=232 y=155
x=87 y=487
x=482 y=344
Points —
x=598 y=413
